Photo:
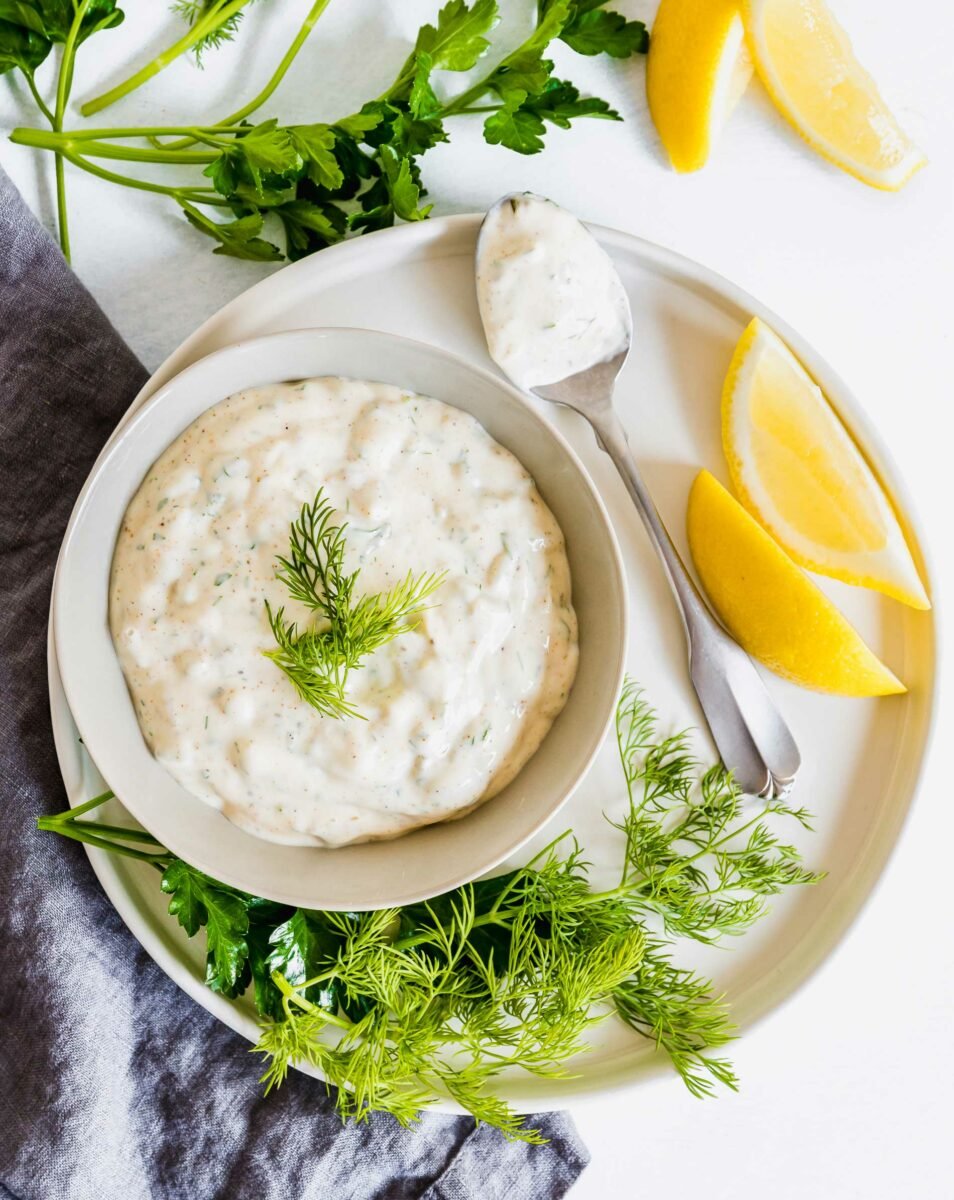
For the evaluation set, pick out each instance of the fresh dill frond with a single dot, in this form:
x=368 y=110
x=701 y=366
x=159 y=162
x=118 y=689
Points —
x=318 y=661
x=699 y=853
x=675 y=1009
x=399 y=1007
x=373 y=621
x=313 y=664
x=314 y=572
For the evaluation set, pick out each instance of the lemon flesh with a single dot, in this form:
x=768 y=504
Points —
x=772 y=608
x=697 y=69
x=805 y=59
x=799 y=473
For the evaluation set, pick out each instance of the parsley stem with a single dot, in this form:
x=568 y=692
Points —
x=196 y=195
x=122 y=832
x=64 y=83
x=216 y=16
x=70 y=814
x=65 y=146
x=258 y=100
x=66 y=143
x=462 y=103
x=284 y=63
x=119 y=133
x=82 y=833
x=140 y=154
x=31 y=84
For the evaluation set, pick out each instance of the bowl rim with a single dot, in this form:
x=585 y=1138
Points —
x=79 y=700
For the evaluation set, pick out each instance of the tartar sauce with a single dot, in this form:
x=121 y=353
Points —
x=454 y=708
x=550 y=299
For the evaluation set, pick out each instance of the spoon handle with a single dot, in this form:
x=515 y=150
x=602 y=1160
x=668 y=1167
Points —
x=750 y=733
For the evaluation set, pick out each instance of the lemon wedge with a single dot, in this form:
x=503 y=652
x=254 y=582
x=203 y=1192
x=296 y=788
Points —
x=804 y=58
x=697 y=69
x=796 y=469
x=772 y=608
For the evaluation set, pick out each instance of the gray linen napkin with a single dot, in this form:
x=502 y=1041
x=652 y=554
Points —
x=113 y=1083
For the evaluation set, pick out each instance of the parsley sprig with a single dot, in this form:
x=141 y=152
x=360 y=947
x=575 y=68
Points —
x=399 y=1006
x=317 y=661
x=319 y=182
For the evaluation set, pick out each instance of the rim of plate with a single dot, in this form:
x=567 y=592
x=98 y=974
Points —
x=719 y=290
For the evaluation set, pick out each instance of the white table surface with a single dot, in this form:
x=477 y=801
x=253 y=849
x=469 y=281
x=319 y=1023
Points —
x=846 y=1092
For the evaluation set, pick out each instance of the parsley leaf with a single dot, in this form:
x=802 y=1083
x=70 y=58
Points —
x=53 y=19
x=360 y=123
x=459 y=39
x=409 y=135
x=238 y=238
x=21 y=47
x=591 y=30
x=560 y=103
x=300 y=948
x=423 y=101
x=403 y=185
x=315 y=145
x=552 y=15
x=268 y=999
x=523 y=73
x=265 y=150
x=516 y=128
x=197 y=902
x=310 y=226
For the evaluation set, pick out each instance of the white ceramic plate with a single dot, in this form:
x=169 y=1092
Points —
x=426 y=861
x=861 y=758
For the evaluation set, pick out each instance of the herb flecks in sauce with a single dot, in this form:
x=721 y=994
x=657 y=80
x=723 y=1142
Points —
x=190 y=646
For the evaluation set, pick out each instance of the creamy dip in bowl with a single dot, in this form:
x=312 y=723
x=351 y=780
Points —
x=440 y=686
x=450 y=711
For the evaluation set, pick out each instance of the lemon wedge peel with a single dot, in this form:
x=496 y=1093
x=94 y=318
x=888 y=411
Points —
x=770 y=606
x=797 y=470
x=697 y=70
x=806 y=62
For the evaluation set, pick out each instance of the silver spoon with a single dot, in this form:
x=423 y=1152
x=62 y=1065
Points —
x=752 y=738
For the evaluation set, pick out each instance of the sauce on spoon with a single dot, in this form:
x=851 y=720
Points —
x=550 y=299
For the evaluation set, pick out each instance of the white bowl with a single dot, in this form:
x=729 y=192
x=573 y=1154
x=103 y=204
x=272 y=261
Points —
x=426 y=861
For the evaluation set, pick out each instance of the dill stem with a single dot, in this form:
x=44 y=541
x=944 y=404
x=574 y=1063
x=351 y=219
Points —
x=728 y=837
x=212 y=20
x=293 y=994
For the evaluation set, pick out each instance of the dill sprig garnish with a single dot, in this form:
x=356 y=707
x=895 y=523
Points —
x=318 y=661
x=401 y=1006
